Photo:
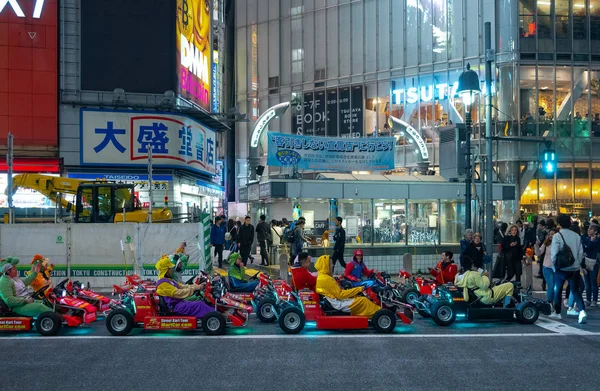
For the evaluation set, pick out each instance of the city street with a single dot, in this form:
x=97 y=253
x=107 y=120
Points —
x=494 y=356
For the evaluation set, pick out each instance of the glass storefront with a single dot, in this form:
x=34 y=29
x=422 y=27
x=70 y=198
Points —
x=380 y=222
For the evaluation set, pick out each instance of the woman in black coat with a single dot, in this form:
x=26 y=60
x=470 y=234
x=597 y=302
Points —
x=475 y=251
x=513 y=252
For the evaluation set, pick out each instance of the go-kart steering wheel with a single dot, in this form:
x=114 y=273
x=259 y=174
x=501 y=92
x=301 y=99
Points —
x=39 y=292
x=61 y=285
x=255 y=277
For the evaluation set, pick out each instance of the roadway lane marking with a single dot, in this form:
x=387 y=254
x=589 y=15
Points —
x=300 y=336
x=560 y=328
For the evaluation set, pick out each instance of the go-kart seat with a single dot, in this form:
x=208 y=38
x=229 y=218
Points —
x=163 y=309
x=4 y=310
x=473 y=298
x=328 y=308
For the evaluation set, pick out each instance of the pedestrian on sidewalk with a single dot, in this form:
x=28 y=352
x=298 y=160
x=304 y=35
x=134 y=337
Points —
x=217 y=239
x=566 y=241
x=513 y=252
x=339 y=245
x=464 y=245
x=245 y=240
x=544 y=251
x=591 y=249
x=263 y=235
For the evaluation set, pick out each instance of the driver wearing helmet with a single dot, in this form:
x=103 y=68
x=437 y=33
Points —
x=355 y=270
x=342 y=300
x=237 y=275
x=14 y=291
x=175 y=294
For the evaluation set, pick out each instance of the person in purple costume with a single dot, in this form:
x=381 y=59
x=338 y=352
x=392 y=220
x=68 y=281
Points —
x=175 y=294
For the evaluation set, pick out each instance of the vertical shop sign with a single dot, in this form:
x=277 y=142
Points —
x=309 y=114
x=345 y=112
x=332 y=113
x=357 y=111
x=319 y=113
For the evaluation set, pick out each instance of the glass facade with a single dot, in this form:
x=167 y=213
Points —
x=347 y=66
x=381 y=222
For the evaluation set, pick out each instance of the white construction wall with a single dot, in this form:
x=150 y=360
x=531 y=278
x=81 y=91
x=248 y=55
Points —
x=100 y=253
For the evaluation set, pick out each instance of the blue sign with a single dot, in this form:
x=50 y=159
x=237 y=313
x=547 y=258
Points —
x=327 y=153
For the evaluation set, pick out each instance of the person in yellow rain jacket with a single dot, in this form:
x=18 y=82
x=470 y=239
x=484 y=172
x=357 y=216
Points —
x=480 y=282
x=43 y=277
x=342 y=300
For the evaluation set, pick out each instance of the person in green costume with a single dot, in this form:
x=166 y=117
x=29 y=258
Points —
x=14 y=292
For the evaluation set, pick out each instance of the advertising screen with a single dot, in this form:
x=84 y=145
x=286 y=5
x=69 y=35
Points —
x=28 y=72
x=128 y=45
x=194 y=51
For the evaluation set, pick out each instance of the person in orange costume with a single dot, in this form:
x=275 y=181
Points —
x=43 y=277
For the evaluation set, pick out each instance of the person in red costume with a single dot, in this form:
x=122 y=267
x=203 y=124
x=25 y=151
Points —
x=355 y=270
x=302 y=278
x=446 y=269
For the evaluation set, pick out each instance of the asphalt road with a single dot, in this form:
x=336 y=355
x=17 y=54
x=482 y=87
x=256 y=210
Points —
x=488 y=356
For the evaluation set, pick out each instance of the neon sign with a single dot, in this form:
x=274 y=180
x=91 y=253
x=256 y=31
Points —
x=37 y=10
x=415 y=136
x=429 y=92
x=263 y=121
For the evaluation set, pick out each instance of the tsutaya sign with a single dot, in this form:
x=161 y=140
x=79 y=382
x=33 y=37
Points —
x=37 y=11
x=428 y=93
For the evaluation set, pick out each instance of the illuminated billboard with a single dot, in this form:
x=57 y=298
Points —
x=28 y=73
x=194 y=51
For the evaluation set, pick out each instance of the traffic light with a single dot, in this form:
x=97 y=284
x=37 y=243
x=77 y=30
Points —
x=549 y=162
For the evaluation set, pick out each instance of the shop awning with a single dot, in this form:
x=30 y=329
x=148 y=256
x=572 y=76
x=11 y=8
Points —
x=32 y=165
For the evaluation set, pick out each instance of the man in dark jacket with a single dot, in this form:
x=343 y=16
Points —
x=217 y=239
x=263 y=234
x=245 y=239
x=299 y=238
x=340 y=243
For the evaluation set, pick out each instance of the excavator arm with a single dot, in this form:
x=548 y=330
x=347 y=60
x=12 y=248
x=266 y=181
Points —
x=49 y=186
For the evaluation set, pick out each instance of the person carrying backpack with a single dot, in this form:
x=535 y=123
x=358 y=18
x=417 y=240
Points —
x=567 y=256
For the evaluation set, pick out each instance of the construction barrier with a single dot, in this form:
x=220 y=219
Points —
x=102 y=254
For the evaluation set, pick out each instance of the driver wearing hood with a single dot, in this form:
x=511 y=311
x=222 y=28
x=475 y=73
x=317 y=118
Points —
x=181 y=261
x=237 y=275
x=342 y=300
x=175 y=293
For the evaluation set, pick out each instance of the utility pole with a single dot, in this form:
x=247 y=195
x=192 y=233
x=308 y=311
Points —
x=9 y=163
x=150 y=185
x=489 y=199
x=469 y=179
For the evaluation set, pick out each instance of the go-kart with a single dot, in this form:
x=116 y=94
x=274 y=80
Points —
x=411 y=287
x=74 y=311
x=447 y=304
x=268 y=297
x=147 y=310
x=405 y=293
x=83 y=292
x=47 y=323
x=318 y=309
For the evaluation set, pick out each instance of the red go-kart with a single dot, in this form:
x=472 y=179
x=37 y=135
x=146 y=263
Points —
x=318 y=309
x=48 y=323
x=149 y=311
x=83 y=292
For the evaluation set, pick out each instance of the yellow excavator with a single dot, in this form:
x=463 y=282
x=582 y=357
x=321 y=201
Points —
x=95 y=201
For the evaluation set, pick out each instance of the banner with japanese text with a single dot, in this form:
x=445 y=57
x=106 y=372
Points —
x=123 y=138
x=327 y=153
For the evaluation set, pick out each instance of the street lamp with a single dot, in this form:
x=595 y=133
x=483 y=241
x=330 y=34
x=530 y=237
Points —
x=468 y=89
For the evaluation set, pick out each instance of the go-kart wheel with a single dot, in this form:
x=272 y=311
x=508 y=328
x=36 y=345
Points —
x=291 y=320
x=410 y=295
x=119 y=322
x=213 y=323
x=384 y=321
x=265 y=311
x=48 y=323
x=527 y=313
x=443 y=313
